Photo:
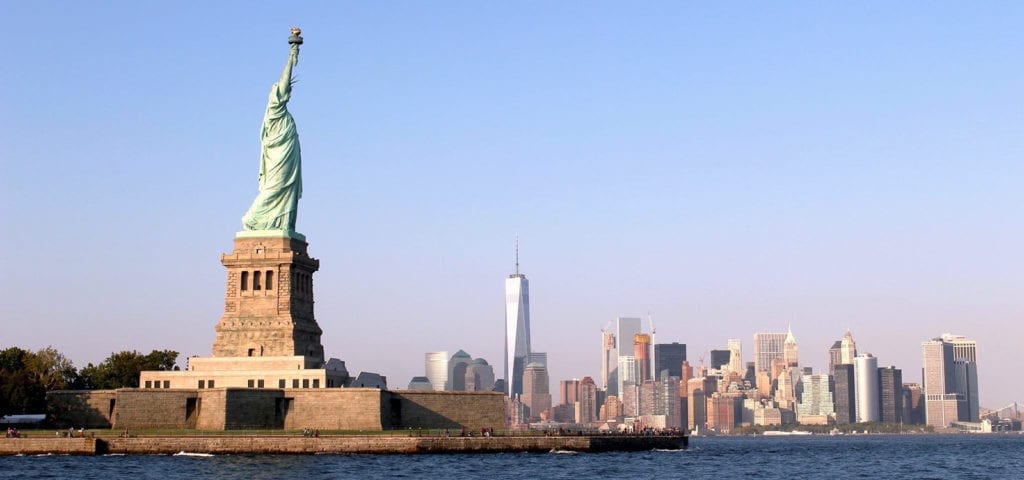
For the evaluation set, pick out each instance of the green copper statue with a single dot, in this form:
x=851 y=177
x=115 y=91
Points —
x=277 y=203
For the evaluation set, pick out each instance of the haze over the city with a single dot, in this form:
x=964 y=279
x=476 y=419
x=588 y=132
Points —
x=728 y=169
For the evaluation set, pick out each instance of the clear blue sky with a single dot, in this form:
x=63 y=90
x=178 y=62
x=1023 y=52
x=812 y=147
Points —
x=729 y=168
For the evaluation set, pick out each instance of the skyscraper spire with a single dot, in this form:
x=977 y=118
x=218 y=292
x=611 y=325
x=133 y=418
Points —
x=517 y=254
x=517 y=329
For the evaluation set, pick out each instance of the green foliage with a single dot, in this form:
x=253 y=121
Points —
x=122 y=369
x=26 y=376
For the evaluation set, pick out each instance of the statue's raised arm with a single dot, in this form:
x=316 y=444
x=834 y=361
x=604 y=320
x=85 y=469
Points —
x=280 y=187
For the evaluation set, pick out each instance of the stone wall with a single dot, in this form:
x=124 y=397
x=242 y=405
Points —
x=254 y=409
x=42 y=446
x=150 y=408
x=212 y=409
x=81 y=408
x=376 y=444
x=354 y=409
x=383 y=444
x=335 y=409
x=453 y=410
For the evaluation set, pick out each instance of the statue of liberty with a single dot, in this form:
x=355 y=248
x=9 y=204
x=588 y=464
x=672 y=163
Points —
x=276 y=205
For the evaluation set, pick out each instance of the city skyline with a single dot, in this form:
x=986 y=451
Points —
x=729 y=169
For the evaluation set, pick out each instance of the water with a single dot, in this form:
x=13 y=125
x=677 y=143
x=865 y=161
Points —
x=933 y=457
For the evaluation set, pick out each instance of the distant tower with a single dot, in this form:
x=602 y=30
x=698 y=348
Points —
x=437 y=369
x=457 y=366
x=587 y=401
x=420 y=383
x=965 y=380
x=950 y=380
x=941 y=403
x=669 y=357
x=642 y=352
x=609 y=362
x=479 y=376
x=890 y=391
x=628 y=374
x=736 y=356
x=569 y=391
x=845 y=400
x=865 y=370
x=626 y=329
x=517 y=328
x=536 y=392
x=847 y=349
x=789 y=350
x=767 y=347
x=835 y=356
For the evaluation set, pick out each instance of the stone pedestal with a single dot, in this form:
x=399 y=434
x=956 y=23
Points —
x=268 y=304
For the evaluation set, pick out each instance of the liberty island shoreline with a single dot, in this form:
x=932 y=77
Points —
x=412 y=443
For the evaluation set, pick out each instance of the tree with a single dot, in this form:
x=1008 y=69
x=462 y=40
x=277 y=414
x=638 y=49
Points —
x=52 y=370
x=122 y=369
x=13 y=382
x=25 y=377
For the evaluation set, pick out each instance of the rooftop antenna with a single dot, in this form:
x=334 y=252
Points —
x=517 y=254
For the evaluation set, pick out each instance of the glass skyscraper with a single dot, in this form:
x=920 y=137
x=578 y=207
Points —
x=517 y=330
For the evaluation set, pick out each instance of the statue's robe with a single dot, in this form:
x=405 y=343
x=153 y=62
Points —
x=276 y=205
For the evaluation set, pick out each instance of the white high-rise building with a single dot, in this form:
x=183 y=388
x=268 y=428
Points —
x=437 y=369
x=847 y=349
x=736 y=356
x=941 y=403
x=790 y=349
x=517 y=329
x=629 y=371
x=816 y=398
x=865 y=373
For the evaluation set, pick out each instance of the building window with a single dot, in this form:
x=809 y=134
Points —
x=280 y=383
x=252 y=383
x=210 y=383
x=295 y=383
x=252 y=352
x=256 y=280
x=316 y=383
x=269 y=280
x=167 y=384
x=305 y=383
x=245 y=281
x=259 y=383
x=149 y=384
x=202 y=384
